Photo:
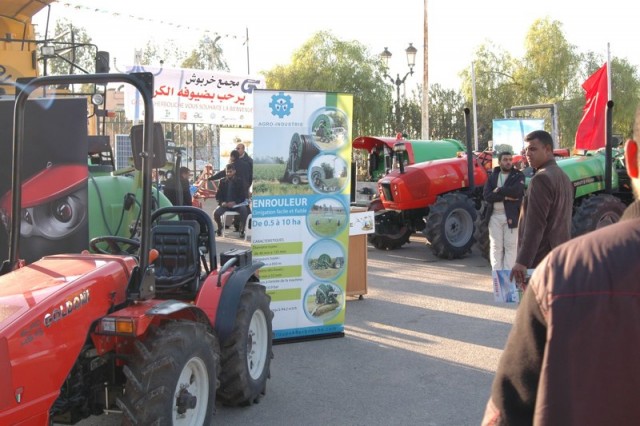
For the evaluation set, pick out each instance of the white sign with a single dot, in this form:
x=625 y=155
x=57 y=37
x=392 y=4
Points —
x=361 y=223
x=196 y=96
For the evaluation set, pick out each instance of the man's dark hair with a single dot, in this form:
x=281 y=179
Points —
x=231 y=166
x=234 y=154
x=544 y=137
x=184 y=170
x=503 y=153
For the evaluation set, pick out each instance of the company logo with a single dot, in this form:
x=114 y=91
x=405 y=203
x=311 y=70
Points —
x=281 y=105
x=66 y=308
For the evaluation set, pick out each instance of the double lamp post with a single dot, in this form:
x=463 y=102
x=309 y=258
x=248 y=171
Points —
x=411 y=61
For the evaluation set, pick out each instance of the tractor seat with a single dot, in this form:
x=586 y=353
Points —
x=177 y=267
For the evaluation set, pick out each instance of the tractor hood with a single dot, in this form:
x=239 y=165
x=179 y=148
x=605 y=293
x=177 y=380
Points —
x=422 y=183
x=62 y=281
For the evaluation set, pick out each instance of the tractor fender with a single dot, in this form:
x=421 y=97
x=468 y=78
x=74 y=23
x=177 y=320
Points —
x=230 y=298
x=169 y=307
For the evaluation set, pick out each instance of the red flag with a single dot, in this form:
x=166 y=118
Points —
x=591 y=133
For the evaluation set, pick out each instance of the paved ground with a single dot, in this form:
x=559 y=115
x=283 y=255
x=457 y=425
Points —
x=419 y=349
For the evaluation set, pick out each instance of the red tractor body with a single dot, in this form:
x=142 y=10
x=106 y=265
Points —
x=421 y=184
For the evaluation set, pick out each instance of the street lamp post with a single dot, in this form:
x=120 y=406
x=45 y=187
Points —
x=411 y=61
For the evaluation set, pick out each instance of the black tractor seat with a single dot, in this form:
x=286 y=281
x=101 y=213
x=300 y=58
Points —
x=177 y=268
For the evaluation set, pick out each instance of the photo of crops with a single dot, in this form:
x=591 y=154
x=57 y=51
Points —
x=323 y=301
x=267 y=181
x=325 y=259
x=327 y=217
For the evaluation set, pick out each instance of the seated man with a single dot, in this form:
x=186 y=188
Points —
x=231 y=195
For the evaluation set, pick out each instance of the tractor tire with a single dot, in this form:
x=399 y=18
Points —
x=172 y=377
x=596 y=212
x=450 y=226
x=481 y=235
x=391 y=232
x=247 y=354
x=295 y=179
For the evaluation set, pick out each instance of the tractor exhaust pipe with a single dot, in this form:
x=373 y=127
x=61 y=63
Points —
x=399 y=148
x=467 y=126
x=608 y=164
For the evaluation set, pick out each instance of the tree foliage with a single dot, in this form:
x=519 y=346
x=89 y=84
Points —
x=550 y=72
x=206 y=56
x=75 y=53
x=325 y=63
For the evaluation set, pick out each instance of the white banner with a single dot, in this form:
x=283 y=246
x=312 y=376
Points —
x=196 y=96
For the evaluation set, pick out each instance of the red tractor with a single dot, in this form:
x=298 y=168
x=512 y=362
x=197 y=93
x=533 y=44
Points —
x=439 y=197
x=148 y=326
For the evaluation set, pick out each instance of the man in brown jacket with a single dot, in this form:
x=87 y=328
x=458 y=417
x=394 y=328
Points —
x=545 y=216
x=572 y=355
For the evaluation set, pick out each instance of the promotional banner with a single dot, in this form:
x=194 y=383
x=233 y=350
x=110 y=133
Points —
x=196 y=96
x=509 y=133
x=300 y=222
x=55 y=198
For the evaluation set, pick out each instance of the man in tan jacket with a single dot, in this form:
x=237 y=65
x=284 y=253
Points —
x=545 y=216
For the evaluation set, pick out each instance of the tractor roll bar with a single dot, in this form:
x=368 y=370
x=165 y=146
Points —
x=143 y=82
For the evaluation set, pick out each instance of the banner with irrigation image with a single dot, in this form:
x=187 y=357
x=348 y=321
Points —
x=301 y=175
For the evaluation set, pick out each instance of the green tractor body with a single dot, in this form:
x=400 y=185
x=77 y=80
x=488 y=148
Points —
x=114 y=205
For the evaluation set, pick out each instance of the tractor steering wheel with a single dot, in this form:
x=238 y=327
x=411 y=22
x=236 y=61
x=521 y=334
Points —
x=115 y=244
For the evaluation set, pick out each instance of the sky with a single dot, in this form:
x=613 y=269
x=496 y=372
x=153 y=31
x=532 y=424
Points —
x=277 y=28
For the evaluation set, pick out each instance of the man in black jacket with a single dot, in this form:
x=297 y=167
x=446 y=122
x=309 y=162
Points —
x=231 y=195
x=243 y=156
x=572 y=355
x=503 y=193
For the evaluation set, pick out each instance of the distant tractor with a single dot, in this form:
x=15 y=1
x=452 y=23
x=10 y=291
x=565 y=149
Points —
x=438 y=197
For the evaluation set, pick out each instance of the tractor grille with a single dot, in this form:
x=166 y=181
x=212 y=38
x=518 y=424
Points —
x=386 y=191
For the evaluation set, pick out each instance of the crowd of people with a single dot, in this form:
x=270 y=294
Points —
x=570 y=356
x=233 y=189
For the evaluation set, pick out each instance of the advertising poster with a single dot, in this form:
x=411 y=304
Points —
x=300 y=223
x=509 y=133
x=54 y=178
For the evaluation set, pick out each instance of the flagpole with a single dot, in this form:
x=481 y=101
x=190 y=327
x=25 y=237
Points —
x=609 y=94
x=608 y=172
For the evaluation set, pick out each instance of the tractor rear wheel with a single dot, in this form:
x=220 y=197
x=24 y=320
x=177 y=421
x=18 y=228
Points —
x=246 y=354
x=172 y=377
x=596 y=212
x=450 y=225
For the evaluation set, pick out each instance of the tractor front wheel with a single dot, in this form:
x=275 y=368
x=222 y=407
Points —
x=481 y=233
x=246 y=354
x=391 y=231
x=450 y=225
x=172 y=377
x=596 y=212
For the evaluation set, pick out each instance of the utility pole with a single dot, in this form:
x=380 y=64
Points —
x=425 y=78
